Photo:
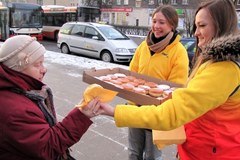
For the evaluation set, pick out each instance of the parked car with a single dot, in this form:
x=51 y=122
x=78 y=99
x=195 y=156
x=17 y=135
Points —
x=190 y=45
x=96 y=40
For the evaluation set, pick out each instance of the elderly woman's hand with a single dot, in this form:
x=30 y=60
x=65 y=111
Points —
x=92 y=108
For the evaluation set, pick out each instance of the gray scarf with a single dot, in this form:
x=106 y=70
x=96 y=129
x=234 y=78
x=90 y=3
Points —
x=44 y=100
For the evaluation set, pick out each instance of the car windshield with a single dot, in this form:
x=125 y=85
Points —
x=112 y=33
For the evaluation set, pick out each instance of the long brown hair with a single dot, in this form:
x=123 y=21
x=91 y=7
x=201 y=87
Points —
x=225 y=23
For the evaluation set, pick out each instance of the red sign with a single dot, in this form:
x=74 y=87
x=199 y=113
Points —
x=117 y=9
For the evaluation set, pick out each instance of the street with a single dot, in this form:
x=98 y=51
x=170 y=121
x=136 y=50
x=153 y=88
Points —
x=103 y=140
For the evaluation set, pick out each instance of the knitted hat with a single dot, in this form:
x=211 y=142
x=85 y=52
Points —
x=20 y=51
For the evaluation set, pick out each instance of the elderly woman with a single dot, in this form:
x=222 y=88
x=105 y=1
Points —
x=28 y=124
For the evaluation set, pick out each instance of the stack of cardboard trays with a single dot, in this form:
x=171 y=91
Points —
x=160 y=138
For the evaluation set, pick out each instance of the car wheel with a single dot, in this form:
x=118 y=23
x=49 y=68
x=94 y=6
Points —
x=106 y=56
x=65 y=49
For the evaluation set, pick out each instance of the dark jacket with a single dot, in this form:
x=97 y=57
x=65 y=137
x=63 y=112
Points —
x=25 y=133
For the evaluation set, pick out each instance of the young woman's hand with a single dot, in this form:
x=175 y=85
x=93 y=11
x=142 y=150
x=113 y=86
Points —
x=106 y=109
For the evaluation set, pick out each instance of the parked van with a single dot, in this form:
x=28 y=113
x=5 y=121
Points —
x=96 y=40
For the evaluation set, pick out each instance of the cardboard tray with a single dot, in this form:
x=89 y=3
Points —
x=89 y=76
x=160 y=138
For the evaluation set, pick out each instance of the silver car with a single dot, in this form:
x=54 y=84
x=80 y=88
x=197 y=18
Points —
x=96 y=40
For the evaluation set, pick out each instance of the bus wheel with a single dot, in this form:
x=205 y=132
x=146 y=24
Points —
x=106 y=56
x=65 y=49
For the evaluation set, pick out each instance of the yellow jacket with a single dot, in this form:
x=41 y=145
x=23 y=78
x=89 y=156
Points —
x=209 y=106
x=205 y=92
x=171 y=64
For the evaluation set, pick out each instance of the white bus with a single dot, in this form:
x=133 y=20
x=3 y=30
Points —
x=21 y=19
x=55 y=16
x=4 y=23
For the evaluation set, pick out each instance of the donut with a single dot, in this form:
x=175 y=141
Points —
x=133 y=83
x=112 y=76
x=123 y=80
x=144 y=87
x=151 y=84
x=131 y=78
x=139 y=81
x=139 y=90
x=127 y=86
x=120 y=75
x=116 y=82
x=163 y=86
x=104 y=78
x=155 y=92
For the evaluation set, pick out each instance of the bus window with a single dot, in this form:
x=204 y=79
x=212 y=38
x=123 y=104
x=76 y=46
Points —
x=88 y=14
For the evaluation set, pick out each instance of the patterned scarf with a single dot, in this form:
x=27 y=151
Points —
x=158 y=47
x=44 y=100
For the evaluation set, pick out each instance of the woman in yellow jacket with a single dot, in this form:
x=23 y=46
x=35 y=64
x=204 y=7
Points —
x=209 y=105
x=161 y=56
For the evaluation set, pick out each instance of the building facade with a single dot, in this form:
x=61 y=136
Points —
x=129 y=12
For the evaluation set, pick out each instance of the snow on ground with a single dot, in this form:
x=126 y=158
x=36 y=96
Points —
x=80 y=62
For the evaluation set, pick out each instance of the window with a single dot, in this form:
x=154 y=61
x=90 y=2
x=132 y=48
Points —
x=174 y=2
x=138 y=3
x=66 y=29
x=90 y=32
x=184 y=2
x=78 y=30
x=125 y=2
x=118 y=2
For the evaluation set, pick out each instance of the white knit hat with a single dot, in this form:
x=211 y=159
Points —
x=20 y=51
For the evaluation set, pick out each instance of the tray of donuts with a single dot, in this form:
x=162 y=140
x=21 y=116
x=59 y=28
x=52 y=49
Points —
x=131 y=86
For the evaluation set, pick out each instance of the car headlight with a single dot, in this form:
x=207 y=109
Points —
x=121 y=50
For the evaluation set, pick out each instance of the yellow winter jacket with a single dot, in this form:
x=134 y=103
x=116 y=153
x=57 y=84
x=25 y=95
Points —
x=209 y=106
x=205 y=92
x=171 y=64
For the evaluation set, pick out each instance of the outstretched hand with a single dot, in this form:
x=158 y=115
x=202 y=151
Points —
x=95 y=108
x=106 y=109
x=91 y=109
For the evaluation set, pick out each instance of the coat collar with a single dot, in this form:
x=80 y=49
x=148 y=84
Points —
x=11 y=78
x=223 y=48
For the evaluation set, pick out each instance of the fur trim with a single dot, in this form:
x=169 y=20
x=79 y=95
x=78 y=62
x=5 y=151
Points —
x=224 y=48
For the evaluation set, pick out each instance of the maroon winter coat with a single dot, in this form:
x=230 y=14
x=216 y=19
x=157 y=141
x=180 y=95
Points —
x=24 y=132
